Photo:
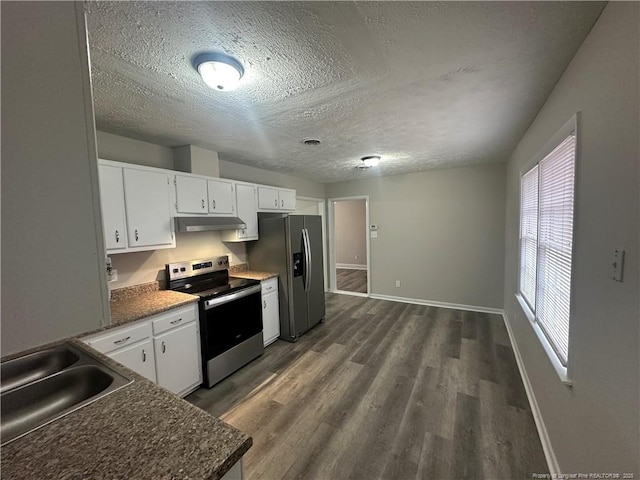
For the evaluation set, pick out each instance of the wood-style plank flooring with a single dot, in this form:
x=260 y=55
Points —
x=384 y=390
x=351 y=280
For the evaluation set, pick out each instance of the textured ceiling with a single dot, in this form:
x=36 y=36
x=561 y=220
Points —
x=423 y=84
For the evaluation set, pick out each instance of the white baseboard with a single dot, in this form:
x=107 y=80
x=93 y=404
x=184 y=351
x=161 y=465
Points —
x=552 y=461
x=431 y=303
x=351 y=266
x=353 y=294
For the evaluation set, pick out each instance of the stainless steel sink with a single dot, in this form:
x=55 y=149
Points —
x=44 y=386
x=29 y=368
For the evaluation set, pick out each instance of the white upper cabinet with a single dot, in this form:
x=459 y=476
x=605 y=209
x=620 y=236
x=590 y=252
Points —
x=191 y=194
x=146 y=194
x=196 y=194
x=276 y=199
x=246 y=201
x=287 y=199
x=267 y=198
x=221 y=198
x=135 y=205
x=112 y=202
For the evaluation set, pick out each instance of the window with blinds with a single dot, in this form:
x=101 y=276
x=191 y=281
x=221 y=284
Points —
x=546 y=242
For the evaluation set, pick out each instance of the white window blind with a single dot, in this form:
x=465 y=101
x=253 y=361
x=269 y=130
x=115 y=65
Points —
x=547 y=223
x=529 y=235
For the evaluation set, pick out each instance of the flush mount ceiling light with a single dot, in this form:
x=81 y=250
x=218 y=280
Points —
x=371 y=160
x=218 y=70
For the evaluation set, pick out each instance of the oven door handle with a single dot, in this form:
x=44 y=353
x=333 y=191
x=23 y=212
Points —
x=208 y=304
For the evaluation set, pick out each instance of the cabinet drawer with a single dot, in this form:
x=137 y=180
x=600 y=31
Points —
x=270 y=285
x=173 y=318
x=120 y=337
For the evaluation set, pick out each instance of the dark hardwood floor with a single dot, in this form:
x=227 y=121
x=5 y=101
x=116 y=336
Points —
x=384 y=390
x=351 y=280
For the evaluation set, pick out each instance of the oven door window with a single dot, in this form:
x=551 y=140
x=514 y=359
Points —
x=227 y=325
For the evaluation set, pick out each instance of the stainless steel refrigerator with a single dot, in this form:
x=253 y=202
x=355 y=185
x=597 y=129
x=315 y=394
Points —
x=292 y=246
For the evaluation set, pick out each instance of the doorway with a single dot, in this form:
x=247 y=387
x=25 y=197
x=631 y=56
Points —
x=316 y=206
x=349 y=248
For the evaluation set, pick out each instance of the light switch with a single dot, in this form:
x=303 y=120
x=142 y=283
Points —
x=618 y=264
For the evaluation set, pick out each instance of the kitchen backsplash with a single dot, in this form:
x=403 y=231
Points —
x=144 y=267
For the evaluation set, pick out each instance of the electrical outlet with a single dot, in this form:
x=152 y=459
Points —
x=114 y=276
x=397 y=283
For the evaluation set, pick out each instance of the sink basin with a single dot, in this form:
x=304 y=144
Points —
x=47 y=385
x=29 y=368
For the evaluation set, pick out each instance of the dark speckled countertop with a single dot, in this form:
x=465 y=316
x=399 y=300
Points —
x=141 y=431
x=242 y=271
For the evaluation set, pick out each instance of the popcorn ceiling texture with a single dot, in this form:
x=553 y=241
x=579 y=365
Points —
x=424 y=84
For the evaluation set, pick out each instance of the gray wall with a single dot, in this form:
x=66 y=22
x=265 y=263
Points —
x=52 y=274
x=441 y=233
x=303 y=187
x=593 y=427
x=350 y=232
x=128 y=150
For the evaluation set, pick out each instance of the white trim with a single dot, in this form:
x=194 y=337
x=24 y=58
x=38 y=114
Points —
x=431 y=303
x=549 y=453
x=560 y=369
x=353 y=294
x=333 y=283
x=351 y=266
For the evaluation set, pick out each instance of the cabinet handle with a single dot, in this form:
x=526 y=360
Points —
x=137 y=237
x=276 y=201
x=122 y=340
x=173 y=322
x=282 y=203
x=164 y=347
x=117 y=236
x=269 y=288
x=213 y=202
x=144 y=355
x=203 y=203
x=264 y=304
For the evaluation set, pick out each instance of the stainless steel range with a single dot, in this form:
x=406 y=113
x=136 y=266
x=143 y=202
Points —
x=230 y=311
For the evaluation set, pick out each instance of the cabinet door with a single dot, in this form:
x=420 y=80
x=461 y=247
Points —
x=178 y=358
x=147 y=206
x=270 y=318
x=191 y=194
x=112 y=204
x=220 y=196
x=268 y=198
x=138 y=357
x=247 y=211
x=287 y=199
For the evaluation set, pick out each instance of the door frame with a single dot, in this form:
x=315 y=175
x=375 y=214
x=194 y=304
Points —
x=332 y=246
x=322 y=209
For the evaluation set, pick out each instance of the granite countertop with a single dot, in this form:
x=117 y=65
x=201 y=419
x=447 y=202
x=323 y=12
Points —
x=141 y=431
x=255 y=275
x=134 y=308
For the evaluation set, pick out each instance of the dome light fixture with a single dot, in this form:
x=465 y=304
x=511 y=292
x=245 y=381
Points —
x=371 y=160
x=218 y=70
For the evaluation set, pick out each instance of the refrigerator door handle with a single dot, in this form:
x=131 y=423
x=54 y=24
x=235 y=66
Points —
x=307 y=260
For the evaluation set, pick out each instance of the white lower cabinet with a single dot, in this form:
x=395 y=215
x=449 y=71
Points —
x=165 y=348
x=270 y=311
x=138 y=357
x=177 y=362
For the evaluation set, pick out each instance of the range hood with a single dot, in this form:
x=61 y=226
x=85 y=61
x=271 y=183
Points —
x=204 y=224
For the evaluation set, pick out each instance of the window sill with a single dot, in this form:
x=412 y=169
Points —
x=560 y=369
